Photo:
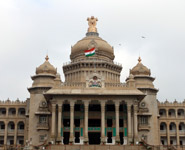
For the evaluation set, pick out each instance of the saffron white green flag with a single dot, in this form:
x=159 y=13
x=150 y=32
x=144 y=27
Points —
x=90 y=52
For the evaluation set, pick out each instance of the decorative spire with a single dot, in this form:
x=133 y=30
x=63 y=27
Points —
x=139 y=59
x=92 y=24
x=47 y=58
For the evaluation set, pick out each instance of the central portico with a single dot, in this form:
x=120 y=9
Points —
x=94 y=115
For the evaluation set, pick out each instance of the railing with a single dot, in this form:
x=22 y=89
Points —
x=163 y=116
x=172 y=131
x=144 y=126
x=181 y=131
x=2 y=131
x=20 y=131
x=2 y=115
x=43 y=126
x=163 y=131
x=91 y=60
x=74 y=84
x=115 y=84
x=11 y=131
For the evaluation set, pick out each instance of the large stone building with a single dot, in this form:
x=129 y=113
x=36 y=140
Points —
x=92 y=106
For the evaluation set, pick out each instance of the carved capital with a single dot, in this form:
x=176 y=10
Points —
x=53 y=107
x=86 y=103
x=103 y=103
x=72 y=103
x=117 y=103
x=128 y=108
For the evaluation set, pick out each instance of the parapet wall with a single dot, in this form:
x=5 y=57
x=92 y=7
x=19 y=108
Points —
x=11 y=102
x=173 y=104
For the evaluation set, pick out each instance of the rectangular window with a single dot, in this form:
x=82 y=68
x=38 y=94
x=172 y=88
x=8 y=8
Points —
x=42 y=119
x=143 y=120
x=42 y=138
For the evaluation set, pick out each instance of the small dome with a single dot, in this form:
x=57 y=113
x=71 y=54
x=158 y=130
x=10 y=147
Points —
x=140 y=69
x=46 y=67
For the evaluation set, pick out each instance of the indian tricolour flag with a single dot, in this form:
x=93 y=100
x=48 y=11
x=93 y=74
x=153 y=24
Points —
x=90 y=52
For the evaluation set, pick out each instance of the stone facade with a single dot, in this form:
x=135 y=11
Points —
x=92 y=106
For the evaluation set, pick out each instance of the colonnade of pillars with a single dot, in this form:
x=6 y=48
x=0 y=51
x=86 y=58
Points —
x=168 y=133
x=132 y=130
x=14 y=131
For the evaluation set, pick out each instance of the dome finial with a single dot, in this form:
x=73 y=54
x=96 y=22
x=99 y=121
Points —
x=47 y=58
x=92 y=24
x=139 y=59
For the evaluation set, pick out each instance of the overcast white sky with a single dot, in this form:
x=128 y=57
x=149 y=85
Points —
x=28 y=28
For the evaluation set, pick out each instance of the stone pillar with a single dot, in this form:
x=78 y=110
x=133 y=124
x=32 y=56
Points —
x=16 y=112
x=5 y=132
x=167 y=112
x=117 y=121
x=168 y=133
x=176 y=113
x=86 y=105
x=135 y=124
x=53 y=122
x=177 y=131
x=59 y=138
x=103 y=122
x=7 y=112
x=129 y=126
x=71 y=139
x=15 y=134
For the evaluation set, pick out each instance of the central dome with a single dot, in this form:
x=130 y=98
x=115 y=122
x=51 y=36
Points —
x=103 y=50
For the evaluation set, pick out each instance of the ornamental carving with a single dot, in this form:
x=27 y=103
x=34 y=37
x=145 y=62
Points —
x=95 y=80
x=92 y=24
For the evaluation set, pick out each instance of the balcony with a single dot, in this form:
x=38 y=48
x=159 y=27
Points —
x=181 y=132
x=163 y=132
x=2 y=131
x=173 y=132
x=42 y=126
x=144 y=127
x=11 y=131
x=20 y=132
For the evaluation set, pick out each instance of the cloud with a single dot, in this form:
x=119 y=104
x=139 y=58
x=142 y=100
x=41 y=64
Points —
x=31 y=28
